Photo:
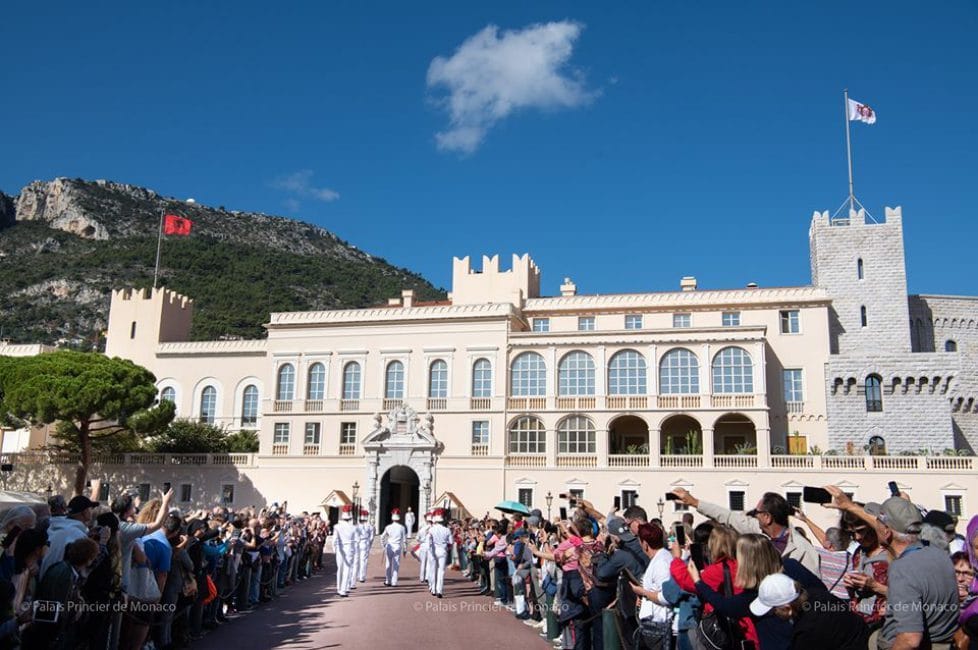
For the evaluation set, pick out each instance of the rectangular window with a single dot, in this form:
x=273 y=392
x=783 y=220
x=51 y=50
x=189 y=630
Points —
x=281 y=436
x=679 y=506
x=792 y=386
x=681 y=320
x=186 y=492
x=526 y=497
x=585 y=323
x=541 y=324
x=480 y=432
x=736 y=500
x=793 y=499
x=790 y=323
x=312 y=433
x=167 y=486
x=633 y=322
x=731 y=319
x=348 y=433
x=144 y=489
x=227 y=494
x=576 y=493
x=952 y=504
x=628 y=498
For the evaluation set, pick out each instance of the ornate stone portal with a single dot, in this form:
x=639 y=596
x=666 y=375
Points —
x=407 y=441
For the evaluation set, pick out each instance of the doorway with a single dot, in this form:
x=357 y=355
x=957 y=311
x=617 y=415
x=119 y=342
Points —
x=398 y=489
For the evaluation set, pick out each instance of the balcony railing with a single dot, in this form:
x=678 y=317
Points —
x=310 y=450
x=282 y=406
x=526 y=460
x=391 y=403
x=627 y=401
x=480 y=449
x=736 y=461
x=349 y=405
x=628 y=460
x=577 y=460
x=949 y=462
x=348 y=449
x=732 y=401
x=480 y=403
x=575 y=403
x=843 y=462
x=527 y=403
x=894 y=462
x=280 y=449
x=678 y=401
x=314 y=405
x=681 y=460
x=795 y=407
x=792 y=462
x=437 y=403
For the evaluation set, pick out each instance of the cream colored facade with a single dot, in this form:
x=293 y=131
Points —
x=501 y=393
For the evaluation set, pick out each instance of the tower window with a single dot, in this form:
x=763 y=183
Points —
x=950 y=346
x=132 y=330
x=874 y=394
x=859 y=268
x=862 y=315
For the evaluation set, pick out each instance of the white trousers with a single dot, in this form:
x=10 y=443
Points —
x=438 y=563
x=423 y=558
x=344 y=569
x=354 y=567
x=392 y=562
x=364 y=552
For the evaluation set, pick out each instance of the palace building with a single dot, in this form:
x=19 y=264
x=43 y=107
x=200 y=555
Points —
x=502 y=393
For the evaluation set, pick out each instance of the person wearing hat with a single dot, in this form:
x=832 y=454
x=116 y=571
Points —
x=365 y=539
x=922 y=595
x=409 y=521
x=344 y=548
x=422 y=548
x=65 y=530
x=818 y=620
x=393 y=539
x=440 y=540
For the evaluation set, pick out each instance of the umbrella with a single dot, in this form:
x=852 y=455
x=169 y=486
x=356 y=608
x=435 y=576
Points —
x=513 y=507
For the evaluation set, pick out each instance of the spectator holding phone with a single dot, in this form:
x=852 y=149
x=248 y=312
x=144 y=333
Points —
x=58 y=597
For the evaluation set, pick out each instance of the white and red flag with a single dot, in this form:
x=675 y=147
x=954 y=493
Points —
x=859 y=112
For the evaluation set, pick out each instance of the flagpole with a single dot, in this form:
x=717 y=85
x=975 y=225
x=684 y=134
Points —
x=159 y=244
x=845 y=109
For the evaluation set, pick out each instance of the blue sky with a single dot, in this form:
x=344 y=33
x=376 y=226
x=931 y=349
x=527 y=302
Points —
x=622 y=146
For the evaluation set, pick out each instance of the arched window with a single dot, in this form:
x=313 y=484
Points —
x=575 y=435
x=482 y=378
x=950 y=346
x=877 y=446
x=286 y=382
x=859 y=268
x=862 y=316
x=679 y=372
x=626 y=374
x=438 y=379
x=576 y=374
x=168 y=394
x=394 y=382
x=874 y=394
x=316 y=386
x=208 y=405
x=528 y=375
x=733 y=371
x=249 y=405
x=527 y=436
x=351 y=380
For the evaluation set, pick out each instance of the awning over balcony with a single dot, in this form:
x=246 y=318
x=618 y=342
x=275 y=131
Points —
x=336 y=499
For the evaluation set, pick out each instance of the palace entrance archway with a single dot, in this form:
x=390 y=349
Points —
x=399 y=488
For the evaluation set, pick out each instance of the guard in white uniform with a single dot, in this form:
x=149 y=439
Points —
x=344 y=548
x=409 y=521
x=423 y=547
x=393 y=539
x=440 y=540
x=365 y=540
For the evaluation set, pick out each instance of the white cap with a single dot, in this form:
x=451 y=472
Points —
x=396 y=517
x=776 y=590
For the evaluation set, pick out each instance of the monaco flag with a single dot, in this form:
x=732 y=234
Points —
x=861 y=113
x=174 y=225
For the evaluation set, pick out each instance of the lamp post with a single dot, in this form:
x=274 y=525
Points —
x=356 y=504
x=661 y=505
x=427 y=496
x=550 y=500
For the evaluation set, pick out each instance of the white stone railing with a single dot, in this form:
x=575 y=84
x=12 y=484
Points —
x=628 y=460
x=67 y=458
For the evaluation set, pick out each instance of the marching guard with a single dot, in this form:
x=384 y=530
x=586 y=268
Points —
x=423 y=555
x=440 y=540
x=345 y=549
x=365 y=539
x=393 y=539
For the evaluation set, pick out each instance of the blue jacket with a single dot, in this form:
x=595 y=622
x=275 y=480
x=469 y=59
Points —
x=689 y=605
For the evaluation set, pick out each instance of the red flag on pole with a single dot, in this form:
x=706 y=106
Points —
x=174 y=225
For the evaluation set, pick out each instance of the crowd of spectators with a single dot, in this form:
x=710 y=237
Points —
x=144 y=576
x=888 y=576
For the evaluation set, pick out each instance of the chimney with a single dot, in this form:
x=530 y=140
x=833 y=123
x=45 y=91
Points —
x=407 y=297
x=688 y=283
x=568 y=288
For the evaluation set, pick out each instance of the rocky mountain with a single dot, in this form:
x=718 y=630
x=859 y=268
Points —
x=65 y=244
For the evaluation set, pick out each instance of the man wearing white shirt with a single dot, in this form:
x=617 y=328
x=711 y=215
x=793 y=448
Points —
x=393 y=540
x=440 y=541
x=423 y=556
x=344 y=547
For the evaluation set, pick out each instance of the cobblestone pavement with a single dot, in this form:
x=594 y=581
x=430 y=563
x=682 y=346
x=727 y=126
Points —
x=310 y=616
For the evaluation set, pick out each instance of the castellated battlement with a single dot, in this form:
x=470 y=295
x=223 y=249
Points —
x=490 y=285
x=168 y=297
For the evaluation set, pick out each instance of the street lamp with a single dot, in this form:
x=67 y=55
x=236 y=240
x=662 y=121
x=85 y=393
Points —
x=550 y=499
x=356 y=489
x=661 y=505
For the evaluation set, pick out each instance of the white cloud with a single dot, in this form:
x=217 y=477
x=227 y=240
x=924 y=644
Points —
x=299 y=184
x=492 y=74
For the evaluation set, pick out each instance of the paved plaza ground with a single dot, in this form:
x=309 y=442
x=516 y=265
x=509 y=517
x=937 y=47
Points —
x=310 y=616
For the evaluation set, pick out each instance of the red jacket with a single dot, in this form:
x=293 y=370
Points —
x=712 y=576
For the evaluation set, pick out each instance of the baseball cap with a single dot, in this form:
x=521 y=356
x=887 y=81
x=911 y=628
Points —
x=618 y=527
x=941 y=519
x=776 y=590
x=80 y=504
x=900 y=515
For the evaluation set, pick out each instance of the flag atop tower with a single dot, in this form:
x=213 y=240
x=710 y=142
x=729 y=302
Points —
x=859 y=112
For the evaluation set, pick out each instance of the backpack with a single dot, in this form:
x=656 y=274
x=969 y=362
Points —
x=586 y=567
x=715 y=631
